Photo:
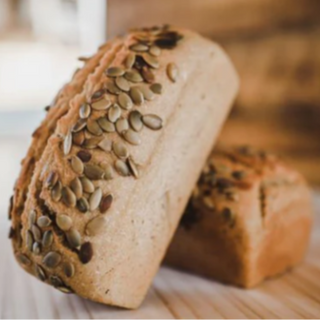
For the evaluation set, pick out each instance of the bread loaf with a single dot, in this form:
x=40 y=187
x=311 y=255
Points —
x=111 y=167
x=249 y=218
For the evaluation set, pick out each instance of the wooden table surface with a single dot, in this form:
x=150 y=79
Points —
x=173 y=294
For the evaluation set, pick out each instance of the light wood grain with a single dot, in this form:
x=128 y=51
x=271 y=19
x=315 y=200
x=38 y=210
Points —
x=173 y=294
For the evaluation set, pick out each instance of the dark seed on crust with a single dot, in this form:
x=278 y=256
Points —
x=239 y=174
x=84 y=155
x=36 y=233
x=68 y=269
x=86 y=252
x=74 y=238
x=40 y=273
x=83 y=205
x=55 y=281
x=64 y=222
x=47 y=239
x=152 y=121
x=51 y=259
x=10 y=207
x=68 y=197
x=11 y=233
x=52 y=179
x=106 y=203
x=43 y=222
x=156 y=88
x=23 y=259
x=223 y=183
x=56 y=192
x=93 y=172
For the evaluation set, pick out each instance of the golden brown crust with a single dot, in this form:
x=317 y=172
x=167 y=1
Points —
x=78 y=214
x=249 y=219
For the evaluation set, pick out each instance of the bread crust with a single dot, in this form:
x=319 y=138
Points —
x=249 y=219
x=114 y=260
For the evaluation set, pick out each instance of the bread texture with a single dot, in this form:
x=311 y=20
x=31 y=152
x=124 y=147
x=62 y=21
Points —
x=249 y=219
x=110 y=169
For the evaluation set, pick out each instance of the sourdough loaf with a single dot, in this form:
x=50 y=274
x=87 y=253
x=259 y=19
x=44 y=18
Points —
x=111 y=167
x=249 y=218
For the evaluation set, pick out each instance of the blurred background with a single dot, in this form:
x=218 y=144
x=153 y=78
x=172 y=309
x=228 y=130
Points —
x=275 y=46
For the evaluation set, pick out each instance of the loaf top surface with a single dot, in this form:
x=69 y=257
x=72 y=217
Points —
x=97 y=139
x=234 y=179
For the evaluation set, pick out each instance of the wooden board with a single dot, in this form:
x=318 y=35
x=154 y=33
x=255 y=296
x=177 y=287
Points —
x=173 y=294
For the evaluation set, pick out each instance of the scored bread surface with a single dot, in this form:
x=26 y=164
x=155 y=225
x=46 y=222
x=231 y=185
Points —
x=111 y=167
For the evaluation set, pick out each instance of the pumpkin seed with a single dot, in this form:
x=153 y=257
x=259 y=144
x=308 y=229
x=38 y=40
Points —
x=84 y=111
x=67 y=143
x=95 y=226
x=100 y=105
x=106 y=125
x=97 y=95
x=83 y=205
x=94 y=128
x=147 y=93
x=122 y=83
x=23 y=259
x=76 y=165
x=40 y=273
x=124 y=101
x=86 y=252
x=52 y=259
x=68 y=269
x=152 y=121
x=64 y=289
x=36 y=248
x=114 y=113
x=95 y=199
x=112 y=88
x=64 y=222
x=120 y=150
x=56 y=192
x=91 y=143
x=135 y=120
x=52 y=179
x=47 y=239
x=32 y=218
x=80 y=125
x=122 y=125
x=139 y=47
x=155 y=51
x=55 y=281
x=156 y=88
x=105 y=145
x=68 y=197
x=121 y=168
x=106 y=203
x=84 y=156
x=108 y=172
x=172 y=72
x=93 y=172
x=133 y=168
x=151 y=60
x=76 y=187
x=130 y=59
x=147 y=74
x=133 y=76
x=132 y=137
x=87 y=185
x=136 y=95
x=78 y=138
x=73 y=238
x=115 y=72
x=43 y=222
x=36 y=233
x=29 y=240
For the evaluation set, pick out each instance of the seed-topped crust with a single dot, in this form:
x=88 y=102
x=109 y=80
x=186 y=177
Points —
x=95 y=148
